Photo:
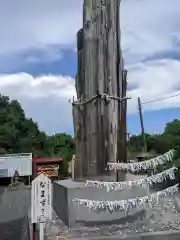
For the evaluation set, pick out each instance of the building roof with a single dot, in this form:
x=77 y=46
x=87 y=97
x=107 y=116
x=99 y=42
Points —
x=49 y=160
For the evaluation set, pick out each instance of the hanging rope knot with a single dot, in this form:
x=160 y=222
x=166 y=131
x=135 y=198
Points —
x=106 y=98
x=78 y=100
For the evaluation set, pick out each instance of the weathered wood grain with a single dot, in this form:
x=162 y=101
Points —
x=100 y=66
x=78 y=112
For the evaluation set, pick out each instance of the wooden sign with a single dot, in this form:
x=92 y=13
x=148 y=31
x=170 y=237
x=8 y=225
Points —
x=41 y=199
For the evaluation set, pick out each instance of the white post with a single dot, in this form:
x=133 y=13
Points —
x=41 y=231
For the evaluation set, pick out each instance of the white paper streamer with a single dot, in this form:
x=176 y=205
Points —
x=124 y=205
x=138 y=166
x=117 y=186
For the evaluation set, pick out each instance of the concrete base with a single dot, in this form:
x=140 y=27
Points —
x=72 y=213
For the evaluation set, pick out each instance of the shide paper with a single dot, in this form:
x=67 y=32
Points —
x=139 y=166
x=125 y=205
x=117 y=186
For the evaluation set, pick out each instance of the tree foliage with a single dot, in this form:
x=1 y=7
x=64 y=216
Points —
x=61 y=144
x=20 y=134
x=159 y=143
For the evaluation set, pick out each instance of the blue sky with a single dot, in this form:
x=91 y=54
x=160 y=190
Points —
x=38 y=59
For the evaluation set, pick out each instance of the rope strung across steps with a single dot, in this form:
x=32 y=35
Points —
x=144 y=165
x=117 y=186
x=124 y=205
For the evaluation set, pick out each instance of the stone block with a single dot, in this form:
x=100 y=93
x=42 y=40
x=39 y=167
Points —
x=72 y=213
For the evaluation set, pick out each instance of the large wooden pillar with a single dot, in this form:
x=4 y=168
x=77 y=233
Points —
x=97 y=112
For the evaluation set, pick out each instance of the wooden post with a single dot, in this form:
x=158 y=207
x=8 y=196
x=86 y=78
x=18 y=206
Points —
x=119 y=68
x=97 y=74
x=123 y=116
x=142 y=126
x=41 y=203
x=97 y=112
x=122 y=150
x=128 y=139
x=34 y=176
x=79 y=114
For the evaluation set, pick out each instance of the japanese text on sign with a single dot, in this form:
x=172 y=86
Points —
x=41 y=199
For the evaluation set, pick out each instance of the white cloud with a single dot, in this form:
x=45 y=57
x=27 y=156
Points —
x=37 y=87
x=35 y=24
x=45 y=98
x=153 y=80
x=150 y=28
x=44 y=27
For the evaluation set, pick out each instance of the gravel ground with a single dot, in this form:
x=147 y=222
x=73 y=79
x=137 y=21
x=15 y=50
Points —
x=14 y=213
x=163 y=217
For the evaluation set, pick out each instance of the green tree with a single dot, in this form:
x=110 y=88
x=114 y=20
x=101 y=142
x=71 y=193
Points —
x=163 y=143
x=20 y=134
x=173 y=128
x=63 y=145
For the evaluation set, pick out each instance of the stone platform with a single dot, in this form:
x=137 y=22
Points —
x=72 y=213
